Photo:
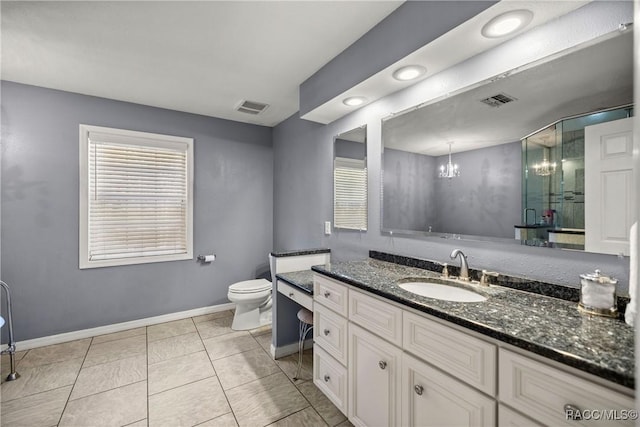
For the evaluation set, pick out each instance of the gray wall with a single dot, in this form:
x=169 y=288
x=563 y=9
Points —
x=408 y=191
x=233 y=210
x=485 y=200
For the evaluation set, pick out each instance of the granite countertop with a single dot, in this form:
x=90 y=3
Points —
x=281 y=254
x=550 y=327
x=300 y=279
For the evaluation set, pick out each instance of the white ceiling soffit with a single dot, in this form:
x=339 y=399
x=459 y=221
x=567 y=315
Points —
x=202 y=57
x=453 y=47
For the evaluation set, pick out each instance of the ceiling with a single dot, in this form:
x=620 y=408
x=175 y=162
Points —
x=201 y=57
x=590 y=78
x=458 y=44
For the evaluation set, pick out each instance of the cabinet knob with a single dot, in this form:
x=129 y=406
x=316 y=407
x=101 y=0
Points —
x=326 y=294
x=290 y=294
x=326 y=332
x=326 y=378
x=382 y=364
x=418 y=389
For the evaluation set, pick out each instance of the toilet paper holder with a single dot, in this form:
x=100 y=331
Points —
x=206 y=258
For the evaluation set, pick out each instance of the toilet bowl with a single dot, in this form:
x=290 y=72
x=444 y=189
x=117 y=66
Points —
x=253 y=304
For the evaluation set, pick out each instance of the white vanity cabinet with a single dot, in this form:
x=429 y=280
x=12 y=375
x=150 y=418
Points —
x=398 y=367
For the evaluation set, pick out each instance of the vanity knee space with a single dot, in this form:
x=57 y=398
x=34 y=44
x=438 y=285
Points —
x=402 y=367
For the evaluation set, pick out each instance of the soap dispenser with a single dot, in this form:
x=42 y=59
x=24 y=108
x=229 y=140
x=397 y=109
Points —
x=598 y=294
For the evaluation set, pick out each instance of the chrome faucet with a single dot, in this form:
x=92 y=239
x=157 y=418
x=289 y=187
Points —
x=464 y=267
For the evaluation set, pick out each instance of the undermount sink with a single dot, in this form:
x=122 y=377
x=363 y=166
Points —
x=441 y=291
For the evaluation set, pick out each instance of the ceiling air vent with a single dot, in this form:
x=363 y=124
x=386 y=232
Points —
x=251 y=107
x=498 y=100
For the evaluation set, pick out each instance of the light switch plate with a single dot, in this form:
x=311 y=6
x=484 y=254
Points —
x=327 y=228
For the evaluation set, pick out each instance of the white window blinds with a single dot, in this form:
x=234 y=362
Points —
x=349 y=194
x=138 y=189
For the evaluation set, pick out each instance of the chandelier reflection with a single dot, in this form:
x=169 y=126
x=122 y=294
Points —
x=449 y=170
x=545 y=168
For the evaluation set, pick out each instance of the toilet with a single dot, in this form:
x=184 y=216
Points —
x=253 y=304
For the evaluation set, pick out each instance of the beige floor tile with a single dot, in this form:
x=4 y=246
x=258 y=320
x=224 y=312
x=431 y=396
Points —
x=266 y=329
x=116 y=350
x=38 y=410
x=179 y=371
x=107 y=376
x=117 y=407
x=266 y=400
x=55 y=353
x=188 y=405
x=347 y=423
x=141 y=423
x=170 y=348
x=229 y=344
x=215 y=327
x=226 y=420
x=327 y=410
x=211 y=316
x=265 y=342
x=170 y=329
x=244 y=367
x=18 y=355
x=289 y=365
x=119 y=335
x=306 y=418
x=41 y=378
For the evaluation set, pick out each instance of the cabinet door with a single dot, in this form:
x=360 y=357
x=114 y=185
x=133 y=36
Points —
x=374 y=380
x=432 y=398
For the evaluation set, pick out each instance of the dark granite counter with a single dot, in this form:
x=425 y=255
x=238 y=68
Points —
x=315 y=251
x=300 y=279
x=548 y=326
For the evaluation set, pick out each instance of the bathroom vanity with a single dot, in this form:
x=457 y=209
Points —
x=386 y=356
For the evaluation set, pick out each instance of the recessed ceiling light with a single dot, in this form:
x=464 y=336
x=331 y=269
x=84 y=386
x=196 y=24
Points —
x=409 y=72
x=354 y=101
x=507 y=23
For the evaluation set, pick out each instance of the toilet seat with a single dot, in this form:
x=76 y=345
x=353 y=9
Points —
x=250 y=286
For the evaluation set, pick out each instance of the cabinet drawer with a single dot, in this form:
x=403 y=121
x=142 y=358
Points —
x=379 y=317
x=296 y=294
x=432 y=398
x=463 y=356
x=542 y=391
x=330 y=333
x=330 y=377
x=330 y=293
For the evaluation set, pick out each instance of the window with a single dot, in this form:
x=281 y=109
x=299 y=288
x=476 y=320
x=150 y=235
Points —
x=349 y=194
x=136 y=197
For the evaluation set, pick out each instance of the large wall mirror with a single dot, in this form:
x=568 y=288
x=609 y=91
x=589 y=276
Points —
x=350 y=180
x=472 y=165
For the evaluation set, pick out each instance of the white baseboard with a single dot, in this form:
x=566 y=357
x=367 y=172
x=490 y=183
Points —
x=118 y=327
x=286 y=350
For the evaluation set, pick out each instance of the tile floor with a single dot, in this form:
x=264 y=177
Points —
x=189 y=372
